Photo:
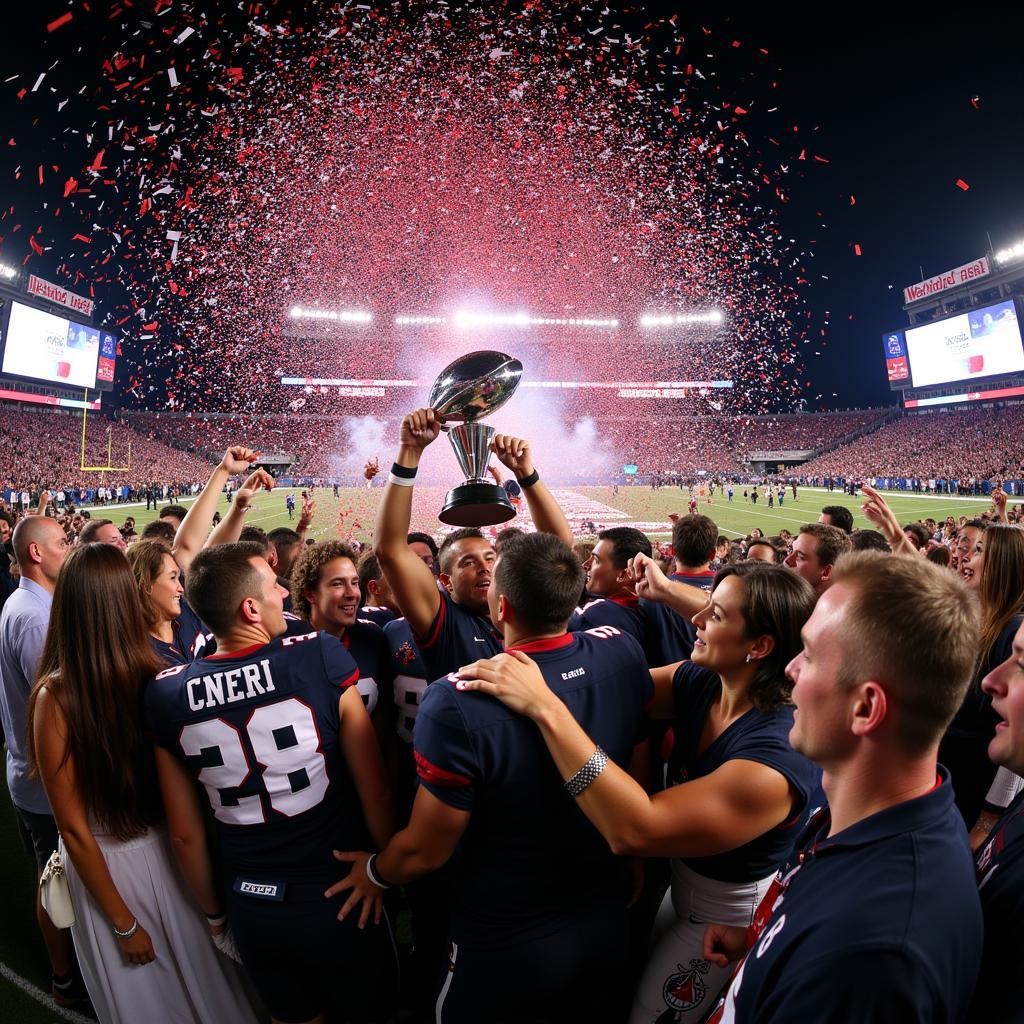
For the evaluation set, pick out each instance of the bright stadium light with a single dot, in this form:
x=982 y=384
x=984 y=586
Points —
x=347 y=316
x=8 y=272
x=409 y=321
x=1011 y=254
x=711 y=316
x=470 y=319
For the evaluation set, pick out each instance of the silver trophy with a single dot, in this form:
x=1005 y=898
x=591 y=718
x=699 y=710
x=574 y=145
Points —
x=474 y=385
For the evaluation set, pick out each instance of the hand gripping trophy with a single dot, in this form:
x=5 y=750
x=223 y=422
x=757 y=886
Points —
x=474 y=385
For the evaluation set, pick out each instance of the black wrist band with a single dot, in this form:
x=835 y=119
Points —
x=377 y=879
x=528 y=481
x=406 y=472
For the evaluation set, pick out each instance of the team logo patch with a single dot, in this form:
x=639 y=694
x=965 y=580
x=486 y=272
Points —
x=684 y=990
x=260 y=888
x=405 y=654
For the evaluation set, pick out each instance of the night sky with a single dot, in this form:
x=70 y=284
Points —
x=891 y=108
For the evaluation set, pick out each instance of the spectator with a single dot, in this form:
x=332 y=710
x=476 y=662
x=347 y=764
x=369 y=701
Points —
x=102 y=531
x=837 y=515
x=815 y=551
x=870 y=540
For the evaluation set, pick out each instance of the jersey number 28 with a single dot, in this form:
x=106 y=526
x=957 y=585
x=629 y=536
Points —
x=286 y=744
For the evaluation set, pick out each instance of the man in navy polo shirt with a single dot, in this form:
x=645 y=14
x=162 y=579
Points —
x=611 y=598
x=875 y=917
x=671 y=635
x=451 y=627
x=999 y=995
x=538 y=922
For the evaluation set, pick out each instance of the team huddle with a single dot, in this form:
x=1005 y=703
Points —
x=529 y=780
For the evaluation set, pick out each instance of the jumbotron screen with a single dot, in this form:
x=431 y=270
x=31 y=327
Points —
x=982 y=342
x=47 y=347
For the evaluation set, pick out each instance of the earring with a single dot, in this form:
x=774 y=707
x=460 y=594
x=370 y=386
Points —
x=750 y=658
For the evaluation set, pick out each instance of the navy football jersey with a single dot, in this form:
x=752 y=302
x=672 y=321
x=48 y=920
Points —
x=879 y=922
x=624 y=613
x=456 y=637
x=378 y=616
x=368 y=646
x=191 y=638
x=529 y=856
x=670 y=636
x=759 y=736
x=1000 y=871
x=409 y=672
x=259 y=729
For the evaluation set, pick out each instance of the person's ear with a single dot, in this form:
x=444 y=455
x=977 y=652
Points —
x=870 y=708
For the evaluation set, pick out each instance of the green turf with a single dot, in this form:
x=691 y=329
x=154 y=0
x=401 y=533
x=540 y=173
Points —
x=352 y=514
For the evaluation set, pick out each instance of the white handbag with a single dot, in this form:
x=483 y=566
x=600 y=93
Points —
x=54 y=892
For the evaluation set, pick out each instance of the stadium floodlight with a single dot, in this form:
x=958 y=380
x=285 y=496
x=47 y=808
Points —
x=1011 y=254
x=470 y=319
x=346 y=316
x=417 y=319
x=710 y=316
x=8 y=272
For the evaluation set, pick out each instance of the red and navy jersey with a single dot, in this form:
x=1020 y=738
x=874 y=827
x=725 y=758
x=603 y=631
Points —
x=368 y=646
x=999 y=863
x=529 y=857
x=879 y=922
x=191 y=638
x=624 y=613
x=259 y=729
x=759 y=736
x=670 y=636
x=378 y=616
x=456 y=637
x=409 y=673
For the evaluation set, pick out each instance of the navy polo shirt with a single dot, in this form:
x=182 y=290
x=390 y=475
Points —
x=624 y=613
x=999 y=995
x=670 y=636
x=880 y=922
x=456 y=637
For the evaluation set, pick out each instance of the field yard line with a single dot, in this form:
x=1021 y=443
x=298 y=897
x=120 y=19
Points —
x=911 y=495
x=41 y=997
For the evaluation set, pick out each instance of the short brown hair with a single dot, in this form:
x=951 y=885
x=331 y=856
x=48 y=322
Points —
x=308 y=566
x=775 y=604
x=541 y=578
x=219 y=580
x=146 y=557
x=913 y=627
x=445 y=555
x=159 y=529
x=831 y=542
x=694 y=539
x=91 y=528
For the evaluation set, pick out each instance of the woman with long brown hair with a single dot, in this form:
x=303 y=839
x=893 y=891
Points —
x=991 y=562
x=137 y=933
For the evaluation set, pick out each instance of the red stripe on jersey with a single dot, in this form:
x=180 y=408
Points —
x=352 y=680
x=439 y=776
x=435 y=629
x=243 y=653
x=548 y=643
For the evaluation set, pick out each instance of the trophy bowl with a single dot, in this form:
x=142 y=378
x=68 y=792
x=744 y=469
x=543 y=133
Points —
x=472 y=386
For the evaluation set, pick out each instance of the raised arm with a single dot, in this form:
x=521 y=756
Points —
x=514 y=454
x=411 y=582
x=877 y=511
x=195 y=527
x=230 y=527
x=653 y=585
x=721 y=811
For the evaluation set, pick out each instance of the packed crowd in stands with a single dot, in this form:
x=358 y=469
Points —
x=571 y=766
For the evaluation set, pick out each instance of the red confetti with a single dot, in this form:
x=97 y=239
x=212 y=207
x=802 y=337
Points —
x=961 y=184
x=856 y=249
x=57 y=22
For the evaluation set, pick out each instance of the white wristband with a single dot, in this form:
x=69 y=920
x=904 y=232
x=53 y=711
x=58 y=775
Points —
x=401 y=481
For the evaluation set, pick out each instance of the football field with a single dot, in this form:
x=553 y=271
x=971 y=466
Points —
x=23 y=966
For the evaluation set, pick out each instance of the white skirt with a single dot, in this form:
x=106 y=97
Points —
x=189 y=982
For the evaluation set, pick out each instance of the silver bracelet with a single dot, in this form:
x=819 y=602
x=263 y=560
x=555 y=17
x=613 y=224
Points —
x=371 y=874
x=596 y=763
x=129 y=932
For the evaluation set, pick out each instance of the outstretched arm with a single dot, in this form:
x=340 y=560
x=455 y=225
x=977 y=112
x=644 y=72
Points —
x=411 y=581
x=514 y=454
x=196 y=525
x=653 y=585
x=229 y=528
x=877 y=511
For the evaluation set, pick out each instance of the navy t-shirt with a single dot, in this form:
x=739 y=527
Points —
x=409 y=673
x=259 y=729
x=879 y=923
x=191 y=638
x=456 y=637
x=529 y=855
x=760 y=736
x=999 y=996
x=378 y=616
x=624 y=613
x=670 y=636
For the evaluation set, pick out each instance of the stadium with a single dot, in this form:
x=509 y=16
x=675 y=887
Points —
x=261 y=240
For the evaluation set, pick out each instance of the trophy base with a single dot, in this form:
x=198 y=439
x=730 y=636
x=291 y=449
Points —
x=476 y=504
